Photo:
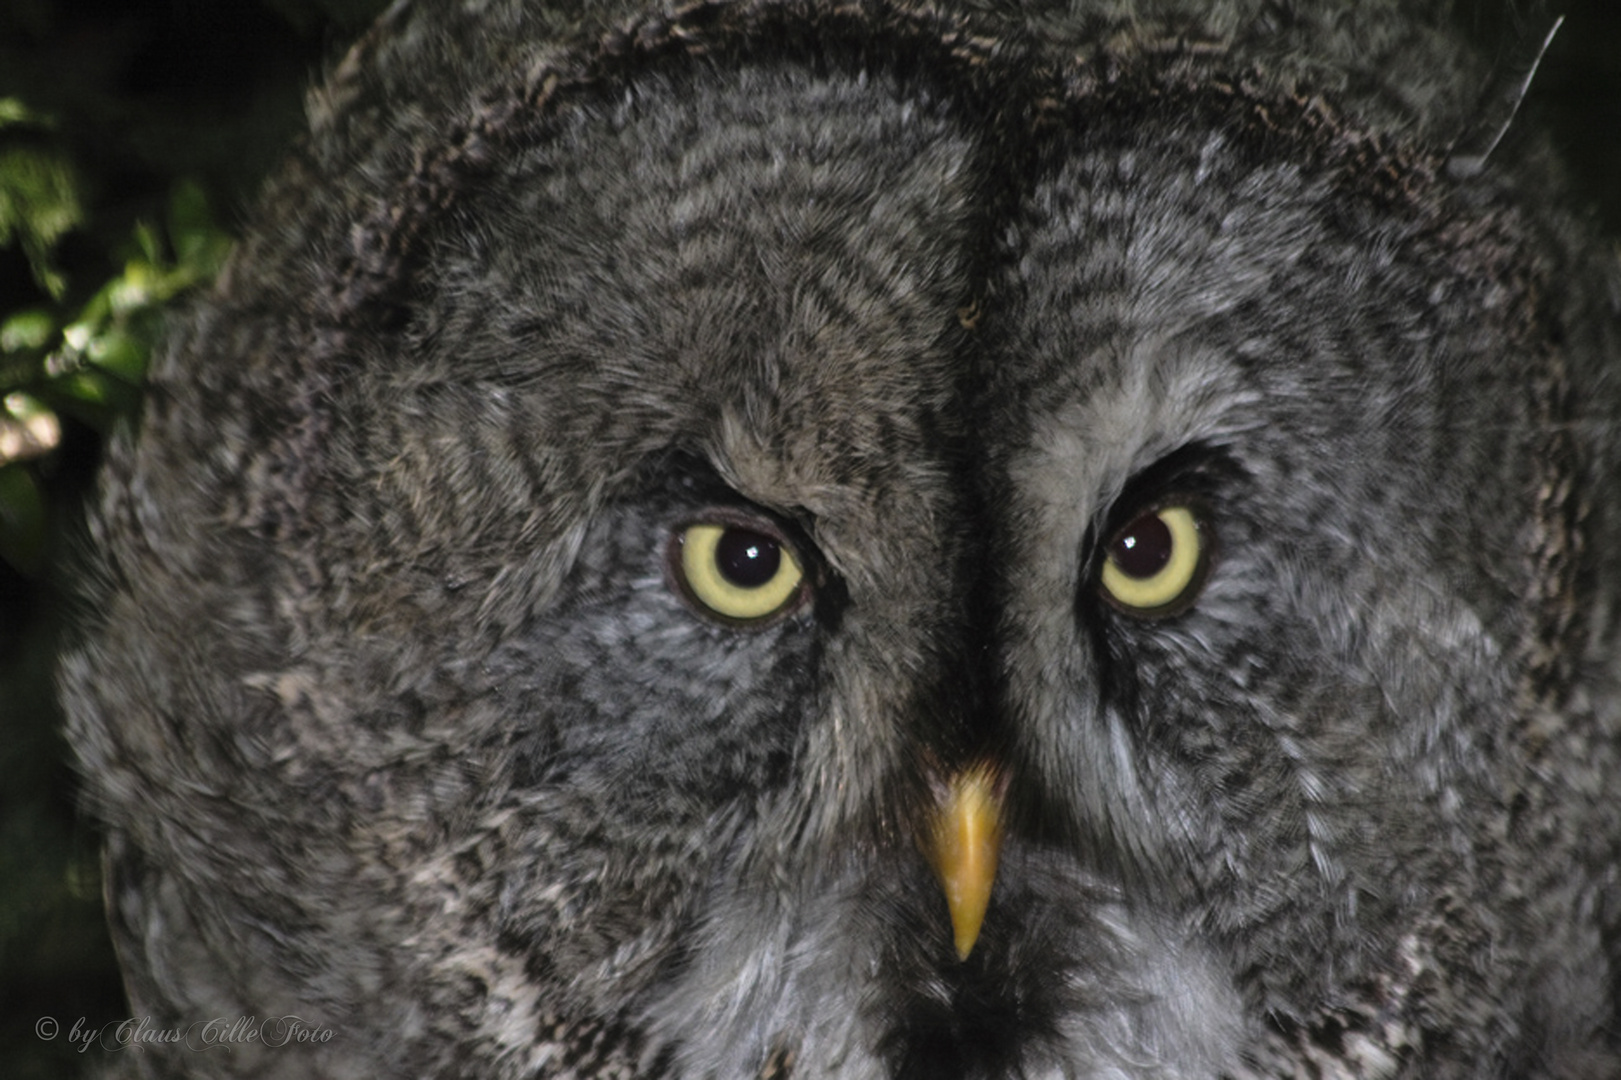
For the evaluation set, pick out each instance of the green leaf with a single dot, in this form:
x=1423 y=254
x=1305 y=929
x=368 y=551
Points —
x=39 y=202
x=28 y=428
x=200 y=246
x=190 y=220
x=120 y=353
x=91 y=396
x=22 y=520
x=147 y=242
x=30 y=329
x=13 y=113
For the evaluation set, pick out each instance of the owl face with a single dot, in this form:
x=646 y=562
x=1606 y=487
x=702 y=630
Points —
x=861 y=543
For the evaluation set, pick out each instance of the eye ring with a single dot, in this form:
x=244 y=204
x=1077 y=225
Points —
x=1156 y=565
x=736 y=571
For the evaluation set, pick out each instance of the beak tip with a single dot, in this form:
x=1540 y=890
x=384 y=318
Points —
x=968 y=914
x=967 y=840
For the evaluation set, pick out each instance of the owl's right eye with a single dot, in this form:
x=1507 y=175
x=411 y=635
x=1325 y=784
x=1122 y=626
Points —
x=741 y=575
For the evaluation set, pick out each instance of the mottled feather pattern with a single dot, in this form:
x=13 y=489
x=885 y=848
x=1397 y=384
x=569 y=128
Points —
x=404 y=720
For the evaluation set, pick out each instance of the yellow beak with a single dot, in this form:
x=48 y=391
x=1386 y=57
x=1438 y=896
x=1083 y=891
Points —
x=966 y=839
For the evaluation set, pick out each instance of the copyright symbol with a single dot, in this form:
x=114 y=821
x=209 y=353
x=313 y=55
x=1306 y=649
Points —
x=46 y=1027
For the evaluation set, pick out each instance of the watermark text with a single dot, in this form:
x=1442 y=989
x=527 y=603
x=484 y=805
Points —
x=218 y=1033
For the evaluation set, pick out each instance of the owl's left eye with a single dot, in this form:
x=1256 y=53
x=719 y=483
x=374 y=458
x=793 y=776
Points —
x=742 y=575
x=1156 y=564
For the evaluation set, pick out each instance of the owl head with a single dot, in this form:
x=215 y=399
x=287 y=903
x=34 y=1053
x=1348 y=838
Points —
x=876 y=540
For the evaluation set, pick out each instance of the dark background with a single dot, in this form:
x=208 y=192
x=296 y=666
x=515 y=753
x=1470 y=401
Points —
x=143 y=95
x=140 y=96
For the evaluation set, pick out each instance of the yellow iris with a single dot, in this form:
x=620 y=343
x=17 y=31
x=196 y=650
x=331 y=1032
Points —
x=1162 y=577
x=738 y=573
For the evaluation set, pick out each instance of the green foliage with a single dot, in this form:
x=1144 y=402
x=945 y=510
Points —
x=39 y=196
x=85 y=360
x=22 y=519
x=114 y=120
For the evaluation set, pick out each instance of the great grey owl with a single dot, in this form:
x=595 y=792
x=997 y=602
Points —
x=850 y=539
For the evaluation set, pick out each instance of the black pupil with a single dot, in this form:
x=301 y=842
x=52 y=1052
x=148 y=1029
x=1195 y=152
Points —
x=747 y=559
x=1143 y=549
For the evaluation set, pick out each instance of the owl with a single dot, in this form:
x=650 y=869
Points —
x=875 y=540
